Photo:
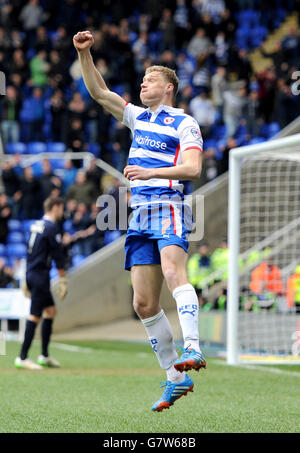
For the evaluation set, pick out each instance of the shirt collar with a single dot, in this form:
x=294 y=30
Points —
x=46 y=217
x=166 y=108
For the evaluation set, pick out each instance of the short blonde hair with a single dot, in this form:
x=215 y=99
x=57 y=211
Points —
x=168 y=74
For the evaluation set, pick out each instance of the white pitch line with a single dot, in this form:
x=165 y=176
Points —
x=264 y=368
x=71 y=347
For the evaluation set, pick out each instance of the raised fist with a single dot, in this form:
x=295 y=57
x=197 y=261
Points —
x=83 y=40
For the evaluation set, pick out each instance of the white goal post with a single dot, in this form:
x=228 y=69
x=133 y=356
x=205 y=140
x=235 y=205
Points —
x=263 y=214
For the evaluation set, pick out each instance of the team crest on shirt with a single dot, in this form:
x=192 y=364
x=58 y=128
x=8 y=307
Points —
x=169 y=120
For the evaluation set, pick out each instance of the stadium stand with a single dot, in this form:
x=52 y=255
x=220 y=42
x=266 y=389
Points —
x=47 y=107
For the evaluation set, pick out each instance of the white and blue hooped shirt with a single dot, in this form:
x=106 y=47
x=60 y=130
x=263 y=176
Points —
x=159 y=139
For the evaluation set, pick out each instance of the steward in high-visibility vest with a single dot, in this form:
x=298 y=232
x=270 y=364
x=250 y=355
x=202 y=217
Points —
x=293 y=290
x=199 y=267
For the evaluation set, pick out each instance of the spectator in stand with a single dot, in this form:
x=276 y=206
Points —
x=243 y=66
x=62 y=42
x=199 y=268
x=219 y=85
x=252 y=113
x=75 y=139
x=221 y=49
x=58 y=111
x=77 y=107
x=71 y=206
x=83 y=191
x=48 y=181
x=185 y=70
x=11 y=181
x=121 y=140
x=278 y=56
x=287 y=105
x=266 y=284
x=69 y=176
x=234 y=103
x=214 y=8
x=201 y=78
x=203 y=111
x=167 y=26
x=42 y=42
x=82 y=222
x=219 y=260
x=267 y=83
x=32 y=116
x=181 y=20
x=6 y=276
x=5 y=214
x=223 y=162
x=141 y=51
x=293 y=290
x=19 y=65
x=199 y=44
x=30 y=206
x=58 y=69
x=11 y=106
x=291 y=47
x=39 y=68
x=31 y=16
x=167 y=58
x=94 y=175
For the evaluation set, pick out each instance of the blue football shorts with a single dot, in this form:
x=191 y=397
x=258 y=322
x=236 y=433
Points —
x=153 y=227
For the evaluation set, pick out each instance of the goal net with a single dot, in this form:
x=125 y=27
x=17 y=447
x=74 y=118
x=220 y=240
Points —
x=263 y=311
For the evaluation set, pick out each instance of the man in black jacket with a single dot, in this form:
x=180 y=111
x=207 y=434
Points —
x=44 y=245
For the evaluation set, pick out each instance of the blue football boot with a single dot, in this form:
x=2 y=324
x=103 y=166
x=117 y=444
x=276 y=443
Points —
x=172 y=393
x=190 y=360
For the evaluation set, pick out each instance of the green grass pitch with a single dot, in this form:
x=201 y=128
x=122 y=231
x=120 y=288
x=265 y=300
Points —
x=109 y=387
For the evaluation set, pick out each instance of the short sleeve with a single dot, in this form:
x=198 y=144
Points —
x=189 y=134
x=131 y=112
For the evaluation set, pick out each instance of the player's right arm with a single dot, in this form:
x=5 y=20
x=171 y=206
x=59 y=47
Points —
x=93 y=80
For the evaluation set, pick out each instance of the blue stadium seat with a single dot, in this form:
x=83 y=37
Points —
x=27 y=224
x=77 y=259
x=56 y=147
x=14 y=225
x=258 y=35
x=94 y=148
x=274 y=128
x=264 y=130
x=36 y=148
x=68 y=226
x=15 y=237
x=2 y=250
x=16 y=250
x=219 y=132
x=14 y=148
x=209 y=143
x=111 y=236
x=256 y=140
x=37 y=169
x=57 y=164
x=53 y=273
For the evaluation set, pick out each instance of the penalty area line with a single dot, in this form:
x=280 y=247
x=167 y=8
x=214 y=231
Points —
x=264 y=368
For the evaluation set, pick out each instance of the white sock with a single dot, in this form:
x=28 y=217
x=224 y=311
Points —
x=188 y=308
x=161 y=340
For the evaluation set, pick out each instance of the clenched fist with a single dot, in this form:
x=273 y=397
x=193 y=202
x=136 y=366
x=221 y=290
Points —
x=83 y=40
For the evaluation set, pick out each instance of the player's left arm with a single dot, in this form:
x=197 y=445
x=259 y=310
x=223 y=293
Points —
x=191 y=158
x=189 y=169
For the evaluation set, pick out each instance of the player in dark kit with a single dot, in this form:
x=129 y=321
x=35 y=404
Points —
x=44 y=245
